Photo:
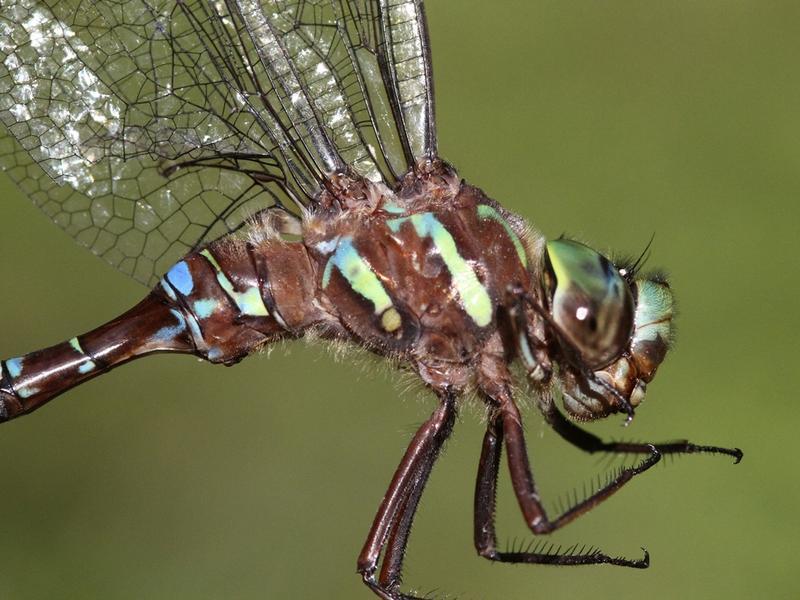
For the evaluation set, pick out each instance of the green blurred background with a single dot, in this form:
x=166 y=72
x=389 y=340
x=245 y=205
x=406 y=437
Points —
x=611 y=121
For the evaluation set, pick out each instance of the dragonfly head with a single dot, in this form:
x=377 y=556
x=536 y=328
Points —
x=609 y=328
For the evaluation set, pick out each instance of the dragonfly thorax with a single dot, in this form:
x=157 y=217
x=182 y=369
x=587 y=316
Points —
x=420 y=273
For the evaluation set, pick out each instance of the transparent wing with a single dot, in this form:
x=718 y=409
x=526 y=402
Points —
x=144 y=127
x=392 y=62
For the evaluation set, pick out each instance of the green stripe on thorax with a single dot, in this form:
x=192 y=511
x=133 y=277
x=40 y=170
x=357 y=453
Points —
x=488 y=212
x=474 y=296
x=358 y=273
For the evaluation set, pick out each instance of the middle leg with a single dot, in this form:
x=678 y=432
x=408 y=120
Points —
x=485 y=494
x=506 y=426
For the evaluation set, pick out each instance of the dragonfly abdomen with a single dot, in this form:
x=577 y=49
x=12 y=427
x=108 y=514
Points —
x=218 y=304
x=237 y=296
x=29 y=381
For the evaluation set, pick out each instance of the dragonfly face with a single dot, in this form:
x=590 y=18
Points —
x=610 y=328
x=270 y=168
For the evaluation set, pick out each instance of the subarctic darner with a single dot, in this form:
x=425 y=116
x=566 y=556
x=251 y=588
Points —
x=301 y=137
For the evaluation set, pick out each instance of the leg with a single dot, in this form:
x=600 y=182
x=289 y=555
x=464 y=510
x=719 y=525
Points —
x=391 y=570
x=591 y=443
x=485 y=494
x=525 y=488
x=392 y=524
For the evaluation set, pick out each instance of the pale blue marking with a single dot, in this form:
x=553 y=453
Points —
x=169 y=333
x=393 y=207
x=180 y=277
x=86 y=367
x=205 y=308
x=14 y=367
x=194 y=328
x=27 y=392
x=395 y=224
x=214 y=353
x=89 y=364
x=327 y=246
x=426 y=224
x=168 y=289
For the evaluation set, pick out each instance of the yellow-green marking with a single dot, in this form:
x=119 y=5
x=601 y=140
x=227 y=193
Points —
x=489 y=212
x=474 y=297
x=249 y=302
x=359 y=275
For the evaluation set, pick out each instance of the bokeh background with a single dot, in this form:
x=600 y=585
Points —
x=610 y=121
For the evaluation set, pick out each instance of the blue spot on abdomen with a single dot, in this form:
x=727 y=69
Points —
x=14 y=367
x=181 y=278
x=205 y=308
x=171 y=332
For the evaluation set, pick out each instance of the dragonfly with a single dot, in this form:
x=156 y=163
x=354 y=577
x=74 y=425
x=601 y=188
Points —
x=270 y=170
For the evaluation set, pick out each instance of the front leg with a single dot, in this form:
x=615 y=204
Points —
x=591 y=443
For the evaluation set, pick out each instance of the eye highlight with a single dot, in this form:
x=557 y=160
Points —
x=591 y=302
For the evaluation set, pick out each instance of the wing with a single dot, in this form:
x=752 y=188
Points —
x=144 y=128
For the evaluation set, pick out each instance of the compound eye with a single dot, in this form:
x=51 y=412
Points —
x=591 y=302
